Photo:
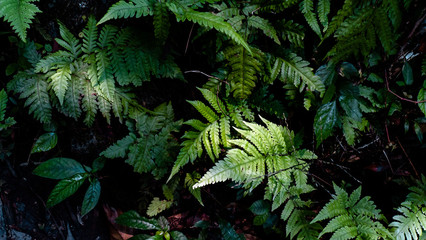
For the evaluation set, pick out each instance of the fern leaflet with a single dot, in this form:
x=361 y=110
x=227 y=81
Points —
x=20 y=14
x=127 y=9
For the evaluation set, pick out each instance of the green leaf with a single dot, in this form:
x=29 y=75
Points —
x=375 y=78
x=325 y=121
x=422 y=97
x=127 y=9
x=20 y=14
x=60 y=168
x=98 y=164
x=208 y=20
x=134 y=220
x=418 y=131
x=3 y=102
x=91 y=197
x=265 y=26
x=407 y=73
x=157 y=206
x=45 y=142
x=260 y=207
x=176 y=235
x=120 y=148
x=228 y=231
x=327 y=74
x=65 y=188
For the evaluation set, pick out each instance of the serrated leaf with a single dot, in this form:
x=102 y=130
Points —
x=422 y=97
x=375 y=78
x=3 y=102
x=260 y=207
x=120 y=148
x=45 y=142
x=325 y=121
x=65 y=188
x=134 y=220
x=20 y=14
x=60 y=168
x=157 y=206
x=91 y=197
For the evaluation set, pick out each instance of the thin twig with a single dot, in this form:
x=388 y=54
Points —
x=396 y=95
x=368 y=144
x=205 y=74
x=409 y=159
x=390 y=165
x=322 y=180
x=189 y=37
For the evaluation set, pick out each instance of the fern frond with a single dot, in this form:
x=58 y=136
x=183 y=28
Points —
x=105 y=75
x=307 y=8
x=295 y=70
x=37 y=96
x=264 y=25
x=73 y=97
x=104 y=107
x=410 y=223
x=275 y=5
x=337 y=20
x=393 y=9
x=68 y=41
x=210 y=136
x=127 y=9
x=208 y=20
x=90 y=36
x=383 y=30
x=207 y=112
x=247 y=164
x=244 y=69
x=352 y=217
x=89 y=103
x=323 y=10
x=19 y=13
x=60 y=82
x=293 y=32
x=161 y=21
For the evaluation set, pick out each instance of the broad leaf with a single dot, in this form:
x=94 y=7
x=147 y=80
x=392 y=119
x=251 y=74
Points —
x=134 y=220
x=91 y=197
x=45 y=142
x=260 y=207
x=60 y=168
x=65 y=188
x=325 y=121
x=422 y=97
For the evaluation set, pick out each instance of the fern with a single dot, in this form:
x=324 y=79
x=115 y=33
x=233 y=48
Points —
x=245 y=69
x=127 y=9
x=19 y=13
x=149 y=144
x=161 y=21
x=208 y=20
x=293 y=32
x=323 y=11
x=264 y=25
x=307 y=7
x=410 y=223
x=295 y=70
x=264 y=152
x=35 y=90
x=352 y=217
x=207 y=136
x=85 y=75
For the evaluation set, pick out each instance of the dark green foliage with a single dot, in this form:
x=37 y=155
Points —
x=86 y=77
x=208 y=136
x=134 y=220
x=352 y=217
x=72 y=175
x=20 y=14
x=4 y=122
x=410 y=223
x=150 y=141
